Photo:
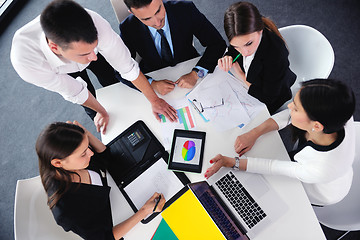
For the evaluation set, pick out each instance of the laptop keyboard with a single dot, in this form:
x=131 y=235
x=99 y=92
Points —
x=219 y=217
x=240 y=199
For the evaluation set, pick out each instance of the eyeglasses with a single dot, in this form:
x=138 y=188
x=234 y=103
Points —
x=207 y=107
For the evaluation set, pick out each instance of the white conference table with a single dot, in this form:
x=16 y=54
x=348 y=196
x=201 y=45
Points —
x=125 y=106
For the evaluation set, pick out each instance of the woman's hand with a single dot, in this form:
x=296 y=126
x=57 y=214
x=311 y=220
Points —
x=122 y=228
x=244 y=142
x=219 y=161
x=150 y=204
x=239 y=73
x=225 y=63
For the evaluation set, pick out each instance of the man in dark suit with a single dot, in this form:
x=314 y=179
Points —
x=161 y=33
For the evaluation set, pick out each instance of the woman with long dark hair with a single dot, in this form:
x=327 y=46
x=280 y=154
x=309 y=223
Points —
x=258 y=54
x=72 y=165
x=321 y=114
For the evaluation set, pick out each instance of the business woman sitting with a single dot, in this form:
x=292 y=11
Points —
x=258 y=54
x=321 y=116
x=72 y=165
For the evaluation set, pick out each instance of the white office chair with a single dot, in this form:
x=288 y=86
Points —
x=345 y=215
x=33 y=219
x=120 y=9
x=310 y=54
x=121 y=12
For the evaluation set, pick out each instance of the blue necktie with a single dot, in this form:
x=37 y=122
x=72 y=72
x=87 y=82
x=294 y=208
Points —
x=166 y=54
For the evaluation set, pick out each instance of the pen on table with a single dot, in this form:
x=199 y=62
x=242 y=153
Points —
x=236 y=57
x=157 y=203
x=195 y=107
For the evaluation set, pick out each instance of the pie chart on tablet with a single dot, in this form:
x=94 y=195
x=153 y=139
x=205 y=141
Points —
x=188 y=151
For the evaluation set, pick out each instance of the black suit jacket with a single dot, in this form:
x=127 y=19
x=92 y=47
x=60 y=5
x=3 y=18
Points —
x=85 y=209
x=185 y=22
x=269 y=72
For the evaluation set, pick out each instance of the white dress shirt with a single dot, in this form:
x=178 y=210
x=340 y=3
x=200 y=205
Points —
x=157 y=41
x=95 y=178
x=35 y=63
x=157 y=37
x=248 y=60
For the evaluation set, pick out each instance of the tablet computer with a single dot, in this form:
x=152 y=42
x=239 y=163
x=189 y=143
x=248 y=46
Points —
x=187 y=151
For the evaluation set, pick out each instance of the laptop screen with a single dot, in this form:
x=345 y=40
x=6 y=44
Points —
x=217 y=210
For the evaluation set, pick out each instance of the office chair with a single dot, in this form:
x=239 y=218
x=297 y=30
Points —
x=120 y=9
x=33 y=219
x=121 y=12
x=345 y=215
x=310 y=54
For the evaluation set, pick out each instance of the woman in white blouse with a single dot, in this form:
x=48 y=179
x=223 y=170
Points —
x=321 y=117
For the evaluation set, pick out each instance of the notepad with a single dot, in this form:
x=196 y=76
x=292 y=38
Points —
x=156 y=178
x=189 y=220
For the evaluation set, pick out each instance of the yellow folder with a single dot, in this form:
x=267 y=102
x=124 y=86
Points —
x=189 y=220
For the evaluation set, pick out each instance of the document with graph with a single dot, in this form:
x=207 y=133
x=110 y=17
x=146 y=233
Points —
x=223 y=100
x=185 y=121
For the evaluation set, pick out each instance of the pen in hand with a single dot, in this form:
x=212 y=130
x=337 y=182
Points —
x=236 y=57
x=157 y=202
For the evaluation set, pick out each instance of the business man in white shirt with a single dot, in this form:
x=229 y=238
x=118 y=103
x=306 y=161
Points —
x=61 y=43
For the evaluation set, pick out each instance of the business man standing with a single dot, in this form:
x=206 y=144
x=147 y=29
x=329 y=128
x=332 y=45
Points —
x=54 y=50
x=161 y=33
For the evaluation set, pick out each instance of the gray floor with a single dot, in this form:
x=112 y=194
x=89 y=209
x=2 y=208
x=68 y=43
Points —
x=26 y=109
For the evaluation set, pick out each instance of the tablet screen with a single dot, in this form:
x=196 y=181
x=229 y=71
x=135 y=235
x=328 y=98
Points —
x=187 y=151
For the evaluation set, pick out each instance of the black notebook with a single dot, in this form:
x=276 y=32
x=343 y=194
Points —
x=133 y=153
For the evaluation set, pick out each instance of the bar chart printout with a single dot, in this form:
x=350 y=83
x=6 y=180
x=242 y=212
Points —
x=185 y=118
x=185 y=121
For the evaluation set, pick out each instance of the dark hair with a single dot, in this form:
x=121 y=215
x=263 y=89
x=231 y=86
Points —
x=136 y=3
x=327 y=101
x=57 y=141
x=65 y=21
x=244 y=18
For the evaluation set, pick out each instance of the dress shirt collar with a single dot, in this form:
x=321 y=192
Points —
x=248 y=60
x=54 y=60
x=166 y=28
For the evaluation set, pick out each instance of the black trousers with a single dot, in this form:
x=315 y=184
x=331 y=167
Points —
x=105 y=74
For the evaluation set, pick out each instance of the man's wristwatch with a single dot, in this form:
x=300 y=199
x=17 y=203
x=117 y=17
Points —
x=199 y=72
x=237 y=163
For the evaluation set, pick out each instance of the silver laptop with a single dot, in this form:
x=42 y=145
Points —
x=248 y=198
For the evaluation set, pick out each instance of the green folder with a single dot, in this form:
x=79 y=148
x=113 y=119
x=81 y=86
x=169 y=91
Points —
x=164 y=232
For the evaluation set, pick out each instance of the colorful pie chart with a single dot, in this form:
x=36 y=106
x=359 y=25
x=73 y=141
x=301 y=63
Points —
x=188 y=151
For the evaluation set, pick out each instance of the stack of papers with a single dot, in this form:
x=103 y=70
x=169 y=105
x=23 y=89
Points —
x=223 y=100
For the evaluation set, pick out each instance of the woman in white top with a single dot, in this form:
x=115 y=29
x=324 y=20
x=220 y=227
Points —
x=321 y=117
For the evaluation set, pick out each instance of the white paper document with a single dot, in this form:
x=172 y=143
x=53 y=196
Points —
x=157 y=178
x=185 y=121
x=224 y=100
x=252 y=105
